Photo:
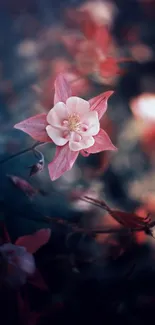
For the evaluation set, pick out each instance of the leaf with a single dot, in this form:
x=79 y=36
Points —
x=35 y=241
x=126 y=219
x=109 y=68
x=130 y=220
x=36 y=127
x=23 y=185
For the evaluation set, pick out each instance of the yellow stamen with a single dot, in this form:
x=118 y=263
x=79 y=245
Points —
x=73 y=122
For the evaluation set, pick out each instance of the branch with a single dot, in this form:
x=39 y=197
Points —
x=117 y=230
x=98 y=203
x=95 y=231
x=19 y=153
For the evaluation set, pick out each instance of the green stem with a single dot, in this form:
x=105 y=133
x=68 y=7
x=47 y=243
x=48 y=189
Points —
x=19 y=153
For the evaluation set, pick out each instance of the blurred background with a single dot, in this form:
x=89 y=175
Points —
x=39 y=39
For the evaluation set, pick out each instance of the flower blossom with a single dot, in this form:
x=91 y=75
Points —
x=73 y=124
x=20 y=263
x=19 y=258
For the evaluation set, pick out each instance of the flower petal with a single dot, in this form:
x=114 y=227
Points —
x=77 y=105
x=57 y=114
x=26 y=263
x=62 y=89
x=57 y=135
x=91 y=120
x=63 y=161
x=38 y=281
x=33 y=242
x=36 y=127
x=84 y=153
x=84 y=143
x=99 y=103
x=102 y=142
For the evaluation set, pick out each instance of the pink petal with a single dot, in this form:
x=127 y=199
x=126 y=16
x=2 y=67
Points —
x=91 y=120
x=57 y=114
x=36 y=127
x=62 y=89
x=84 y=143
x=102 y=142
x=77 y=105
x=33 y=242
x=38 y=281
x=99 y=103
x=63 y=161
x=84 y=153
x=57 y=135
x=23 y=185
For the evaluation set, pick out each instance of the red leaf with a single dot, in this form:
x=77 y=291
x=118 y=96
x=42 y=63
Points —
x=109 y=68
x=33 y=242
x=130 y=220
x=126 y=219
x=23 y=185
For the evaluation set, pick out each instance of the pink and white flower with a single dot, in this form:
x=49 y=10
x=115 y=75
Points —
x=73 y=124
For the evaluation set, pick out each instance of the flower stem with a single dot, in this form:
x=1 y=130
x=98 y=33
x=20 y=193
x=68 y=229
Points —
x=19 y=153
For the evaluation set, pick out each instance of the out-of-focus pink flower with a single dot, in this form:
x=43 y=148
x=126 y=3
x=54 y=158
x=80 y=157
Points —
x=143 y=107
x=103 y=12
x=95 y=53
x=72 y=124
x=79 y=85
x=20 y=261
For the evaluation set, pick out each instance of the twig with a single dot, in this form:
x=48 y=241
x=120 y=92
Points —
x=102 y=204
x=19 y=153
x=98 y=203
x=117 y=230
